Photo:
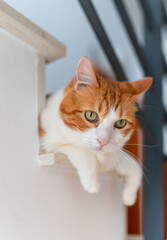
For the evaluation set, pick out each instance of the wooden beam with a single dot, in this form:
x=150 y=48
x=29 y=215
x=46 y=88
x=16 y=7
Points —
x=21 y=27
x=135 y=147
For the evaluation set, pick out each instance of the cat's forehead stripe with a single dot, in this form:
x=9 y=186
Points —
x=112 y=114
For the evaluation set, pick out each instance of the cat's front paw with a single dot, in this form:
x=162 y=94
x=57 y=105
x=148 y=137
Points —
x=129 y=197
x=90 y=183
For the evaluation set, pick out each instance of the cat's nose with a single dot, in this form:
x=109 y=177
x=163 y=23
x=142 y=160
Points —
x=103 y=142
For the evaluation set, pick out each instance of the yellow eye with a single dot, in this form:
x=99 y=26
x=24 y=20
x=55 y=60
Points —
x=120 y=123
x=91 y=116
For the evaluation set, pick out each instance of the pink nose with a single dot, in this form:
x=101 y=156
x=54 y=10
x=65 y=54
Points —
x=103 y=142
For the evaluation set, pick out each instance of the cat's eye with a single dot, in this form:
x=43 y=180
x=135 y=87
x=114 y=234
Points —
x=91 y=116
x=120 y=123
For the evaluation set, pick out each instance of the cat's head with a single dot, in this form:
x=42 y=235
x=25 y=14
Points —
x=101 y=110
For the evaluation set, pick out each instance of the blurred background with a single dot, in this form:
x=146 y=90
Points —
x=67 y=21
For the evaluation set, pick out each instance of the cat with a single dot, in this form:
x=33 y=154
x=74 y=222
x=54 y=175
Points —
x=90 y=121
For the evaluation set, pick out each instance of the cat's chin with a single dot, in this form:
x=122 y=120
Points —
x=92 y=147
x=100 y=149
x=107 y=150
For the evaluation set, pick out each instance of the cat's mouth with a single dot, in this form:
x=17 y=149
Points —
x=97 y=144
x=104 y=148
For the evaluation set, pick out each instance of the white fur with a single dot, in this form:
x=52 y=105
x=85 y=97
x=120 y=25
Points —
x=84 y=150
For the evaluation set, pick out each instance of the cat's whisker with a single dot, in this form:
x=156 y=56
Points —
x=142 y=166
x=143 y=145
x=130 y=153
x=149 y=106
x=140 y=117
x=127 y=166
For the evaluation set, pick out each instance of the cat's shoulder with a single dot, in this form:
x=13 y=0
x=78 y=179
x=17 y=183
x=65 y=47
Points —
x=50 y=111
x=55 y=98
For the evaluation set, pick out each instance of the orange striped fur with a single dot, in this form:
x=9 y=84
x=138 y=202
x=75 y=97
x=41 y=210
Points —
x=107 y=93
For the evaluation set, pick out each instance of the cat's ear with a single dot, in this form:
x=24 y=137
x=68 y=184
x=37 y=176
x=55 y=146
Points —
x=141 y=86
x=85 y=74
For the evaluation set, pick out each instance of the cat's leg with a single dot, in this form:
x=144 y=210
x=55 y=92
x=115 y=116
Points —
x=86 y=165
x=128 y=167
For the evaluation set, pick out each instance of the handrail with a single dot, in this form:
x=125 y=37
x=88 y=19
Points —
x=103 y=38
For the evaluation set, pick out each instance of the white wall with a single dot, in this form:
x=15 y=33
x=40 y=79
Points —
x=43 y=203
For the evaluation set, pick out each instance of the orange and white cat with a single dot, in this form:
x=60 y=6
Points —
x=90 y=121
